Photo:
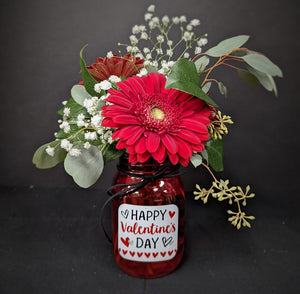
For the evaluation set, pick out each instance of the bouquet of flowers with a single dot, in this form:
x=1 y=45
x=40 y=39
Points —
x=153 y=102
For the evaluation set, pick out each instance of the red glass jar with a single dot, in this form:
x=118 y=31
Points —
x=148 y=224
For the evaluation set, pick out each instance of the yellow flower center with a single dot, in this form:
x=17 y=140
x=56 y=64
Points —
x=157 y=113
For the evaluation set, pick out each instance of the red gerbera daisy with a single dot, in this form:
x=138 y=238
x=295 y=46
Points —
x=116 y=65
x=153 y=121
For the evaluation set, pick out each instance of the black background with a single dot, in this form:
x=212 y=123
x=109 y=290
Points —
x=40 y=63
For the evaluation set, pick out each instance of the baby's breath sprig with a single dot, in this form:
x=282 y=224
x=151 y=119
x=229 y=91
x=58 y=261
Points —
x=162 y=48
x=234 y=194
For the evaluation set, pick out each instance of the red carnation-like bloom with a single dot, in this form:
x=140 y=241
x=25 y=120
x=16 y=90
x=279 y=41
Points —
x=116 y=65
x=153 y=121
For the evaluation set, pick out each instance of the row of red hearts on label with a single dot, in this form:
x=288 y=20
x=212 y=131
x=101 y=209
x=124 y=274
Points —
x=147 y=254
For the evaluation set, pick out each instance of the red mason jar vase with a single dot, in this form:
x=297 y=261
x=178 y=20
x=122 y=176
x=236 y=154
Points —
x=148 y=224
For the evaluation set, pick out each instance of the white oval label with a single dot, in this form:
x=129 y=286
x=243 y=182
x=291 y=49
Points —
x=148 y=233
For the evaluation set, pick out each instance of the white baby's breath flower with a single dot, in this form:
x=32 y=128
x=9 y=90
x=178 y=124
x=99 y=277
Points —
x=67 y=111
x=171 y=63
x=182 y=18
x=195 y=22
x=87 y=145
x=65 y=126
x=169 y=52
x=114 y=79
x=142 y=28
x=135 y=29
x=65 y=144
x=187 y=36
x=151 y=8
x=159 y=51
x=155 y=20
x=160 y=38
x=198 y=50
x=129 y=49
x=149 y=56
x=75 y=152
x=202 y=42
x=133 y=40
x=140 y=55
x=109 y=54
x=144 y=36
x=105 y=85
x=64 y=102
x=96 y=120
x=90 y=136
x=176 y=20
x=186 y=55
x=50 y=151
x=143 y=72
x=80 y=123
x=97 y=88
x=148 y=16
x=189 y=28
x=80 y=116
x=165 y=19
x=170 y=43
x=146 y=50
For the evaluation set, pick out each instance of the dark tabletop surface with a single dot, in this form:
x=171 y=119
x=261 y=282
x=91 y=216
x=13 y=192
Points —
x=51 y=242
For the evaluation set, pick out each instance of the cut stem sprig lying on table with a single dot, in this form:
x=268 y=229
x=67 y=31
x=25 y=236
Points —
x=153 y=102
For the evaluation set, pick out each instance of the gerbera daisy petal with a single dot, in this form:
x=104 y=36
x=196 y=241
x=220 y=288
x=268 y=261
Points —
x=126 y=119
x=140 y=145
x=170 y=143
x=152 y=141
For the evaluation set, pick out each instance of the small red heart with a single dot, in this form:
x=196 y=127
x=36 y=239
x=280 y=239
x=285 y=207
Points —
x=147 y=255
x=119 y=249
x=125 y=242
x=155 y=254
x=124 y=251
x=132 y=253
x=139 y=254
x=163 y=254
x=171 y=213
x=170 y=252
x=175 y=250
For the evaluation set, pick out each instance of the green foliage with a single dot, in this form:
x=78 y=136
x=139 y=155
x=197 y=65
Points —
x=201 y=63
x=214 y=150
x=222 y=191
x=184 y=77
x=248 y=77
x=265 y=80
x=227 y=46
x=75 y=109
x=262 y=64
x=79 y=94
x=86 y=168
x=222 y=89
x=43 y=161
x=196 y=159
x=88 y=80
x=110 y=153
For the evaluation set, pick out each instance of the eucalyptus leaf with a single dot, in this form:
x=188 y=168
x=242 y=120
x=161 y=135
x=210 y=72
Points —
x=201 y=63
x=214 y=150
x=222 y=89
x=184 y=77
x=196 y=159
x=265 y=80
x=43 y=160
x=263 y=64
x=86 y=168
x=151 y=69
x=79 y=94
x=204 y=154
x=227 y=46
x=206 y=87
x=248 y=77
x=88 y=80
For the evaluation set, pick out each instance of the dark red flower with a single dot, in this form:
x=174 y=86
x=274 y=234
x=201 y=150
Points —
x=116 y=65
x=153 y=121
